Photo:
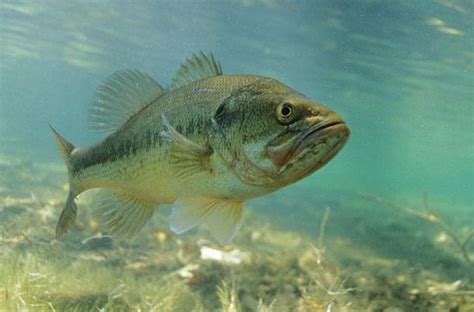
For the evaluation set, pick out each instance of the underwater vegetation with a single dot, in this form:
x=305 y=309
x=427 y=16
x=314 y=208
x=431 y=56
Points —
x=427 y=215
x=268 y=268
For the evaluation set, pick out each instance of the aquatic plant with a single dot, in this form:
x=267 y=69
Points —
x=228 y=298
x=427 y=215
x=327 y=287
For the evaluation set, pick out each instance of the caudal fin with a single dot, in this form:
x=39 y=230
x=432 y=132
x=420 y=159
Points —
x=67 y=217
x=69 y=213
x=65 y=147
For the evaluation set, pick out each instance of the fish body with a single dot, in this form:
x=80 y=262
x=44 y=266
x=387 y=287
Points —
x=206 y=145
x=144 y=159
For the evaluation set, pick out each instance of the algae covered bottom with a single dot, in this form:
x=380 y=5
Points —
x=267 y=269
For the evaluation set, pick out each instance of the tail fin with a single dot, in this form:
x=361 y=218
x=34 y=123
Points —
x=65 y=147
x=69 y=213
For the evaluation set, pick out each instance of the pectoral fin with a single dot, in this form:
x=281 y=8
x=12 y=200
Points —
x=187 y=157
x=223 y=217
x=124 y=216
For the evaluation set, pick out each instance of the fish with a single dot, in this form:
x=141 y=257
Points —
x=205 y=144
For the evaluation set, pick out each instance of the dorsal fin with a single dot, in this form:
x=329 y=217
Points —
x=119 y=97
x=198 y=67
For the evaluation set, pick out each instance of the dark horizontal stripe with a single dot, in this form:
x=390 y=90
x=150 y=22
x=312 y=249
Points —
x=121 y=145
x=115 y=148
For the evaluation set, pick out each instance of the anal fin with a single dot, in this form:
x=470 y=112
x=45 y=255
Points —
x=223 y=217
x=124 y=216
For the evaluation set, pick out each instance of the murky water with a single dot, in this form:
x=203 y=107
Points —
x=398 y=200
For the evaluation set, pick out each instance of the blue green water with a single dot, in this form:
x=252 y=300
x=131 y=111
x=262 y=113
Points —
x=400 y=72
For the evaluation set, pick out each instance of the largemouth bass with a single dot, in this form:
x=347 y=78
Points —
x=206 y=144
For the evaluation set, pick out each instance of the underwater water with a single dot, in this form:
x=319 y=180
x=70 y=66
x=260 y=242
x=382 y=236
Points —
x=387 y=225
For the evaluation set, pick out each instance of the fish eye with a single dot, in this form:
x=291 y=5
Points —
x=286 y=109
x=285 y=113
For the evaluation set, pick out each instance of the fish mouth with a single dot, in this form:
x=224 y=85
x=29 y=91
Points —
x=316 y=132
x=320 y=142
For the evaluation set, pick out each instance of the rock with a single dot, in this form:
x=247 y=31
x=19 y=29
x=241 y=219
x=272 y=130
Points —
x=234 y=256
x=393 y=309
x=98 y=241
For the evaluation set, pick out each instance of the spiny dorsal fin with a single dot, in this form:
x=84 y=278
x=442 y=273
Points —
x=198 y=67
x=120 y=96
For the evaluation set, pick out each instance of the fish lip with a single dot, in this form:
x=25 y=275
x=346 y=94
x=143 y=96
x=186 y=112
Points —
x=299 y=142
x=319 y=127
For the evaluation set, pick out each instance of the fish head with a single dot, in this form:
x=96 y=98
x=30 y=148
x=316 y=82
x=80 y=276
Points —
x=279 y=135
x=309 y=135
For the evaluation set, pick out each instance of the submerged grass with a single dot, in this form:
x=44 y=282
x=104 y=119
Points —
x=30 y=284
x=228 y=298
x=427 y=215
x=279 y=270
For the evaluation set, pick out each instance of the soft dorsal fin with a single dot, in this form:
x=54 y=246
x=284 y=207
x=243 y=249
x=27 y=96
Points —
x=198 y=67
x=120 y=96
